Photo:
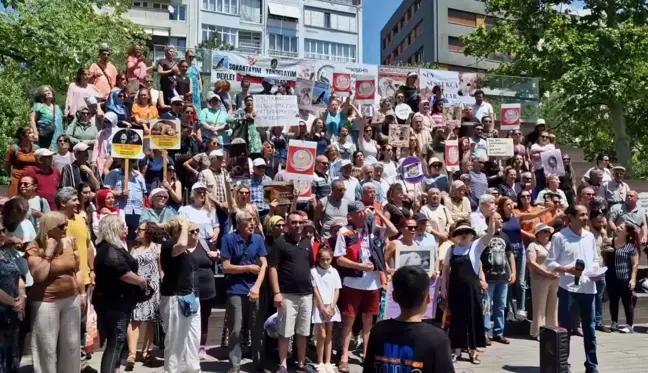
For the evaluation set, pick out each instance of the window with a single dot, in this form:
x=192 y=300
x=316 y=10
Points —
x=489 y=21
x=251 y=11
x=228 y=35
x=455 y=45
x=328 y=20
x=179 y=43
x=418 y=31
x=314 y=18
x=221 y=6
x=324 y=50
x=282 y=45
x=140 y=4
x=462 y=18
x=179 y=13
x=419 y=55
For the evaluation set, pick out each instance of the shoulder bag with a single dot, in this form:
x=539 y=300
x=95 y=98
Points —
x=189 y=303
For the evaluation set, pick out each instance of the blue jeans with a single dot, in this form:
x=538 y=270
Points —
x=496 y=297
x=585 y=302
x=519 y=288
x=600 y=290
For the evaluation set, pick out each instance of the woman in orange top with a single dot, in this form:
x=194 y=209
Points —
x=19 y=156
x=144 y=110
x=528 y=215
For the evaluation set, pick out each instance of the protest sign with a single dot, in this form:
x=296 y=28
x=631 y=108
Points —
x=510 y=115
x=455 y=86
x=392 y=310
x=452 y=155
x=301 y=159
x=391 y=78
x=451 y=123
x=283 y=192
x=342 y=84
x=321 y=95
x=551 y=161
x=403 y=111
x=276 y=111
x=365 y=90
x=399 y=135
x=304 y=188
x=304 y=91
x=419 y=256
x=237 y=163
x=412 y=170
x=499 y=147
x=322 y=71
x=127 y=143
x=642 y=201
x=165 y=134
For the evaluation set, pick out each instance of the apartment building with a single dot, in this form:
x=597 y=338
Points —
x=429 y=31
x=321 y=29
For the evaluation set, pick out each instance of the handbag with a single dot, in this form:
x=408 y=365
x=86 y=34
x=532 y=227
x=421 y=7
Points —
x=189 y=303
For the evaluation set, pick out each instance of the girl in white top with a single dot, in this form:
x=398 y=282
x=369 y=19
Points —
x=368 y=145
x=326 y=291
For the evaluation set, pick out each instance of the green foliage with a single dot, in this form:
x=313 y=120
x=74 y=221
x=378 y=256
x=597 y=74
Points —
x=593 y=67
x=14 y=108
x=421 y=65
x=214 y=42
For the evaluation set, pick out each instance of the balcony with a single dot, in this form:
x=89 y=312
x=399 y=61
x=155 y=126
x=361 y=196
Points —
x=249 y=42
x=344 y=2
x=280 y=53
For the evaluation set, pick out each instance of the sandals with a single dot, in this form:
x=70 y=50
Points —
x=343 y=367
x=474 y=359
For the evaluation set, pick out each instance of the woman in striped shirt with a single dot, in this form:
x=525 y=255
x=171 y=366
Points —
x=621 y=276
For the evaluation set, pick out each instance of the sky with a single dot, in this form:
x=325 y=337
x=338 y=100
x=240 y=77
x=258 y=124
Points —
x=377 y=12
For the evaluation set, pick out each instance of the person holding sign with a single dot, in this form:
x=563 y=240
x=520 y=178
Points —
x=143 y=110
x=242 y=125
x=334 y=117
x=129 y=189
x=213 y=120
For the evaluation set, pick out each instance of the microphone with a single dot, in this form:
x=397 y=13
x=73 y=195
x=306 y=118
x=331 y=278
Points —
x=580 y=265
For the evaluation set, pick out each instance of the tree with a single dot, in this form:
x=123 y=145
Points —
x=214 y=42
x=593 y=64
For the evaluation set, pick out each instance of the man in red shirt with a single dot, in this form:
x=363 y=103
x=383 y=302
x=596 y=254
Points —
x=46 y=175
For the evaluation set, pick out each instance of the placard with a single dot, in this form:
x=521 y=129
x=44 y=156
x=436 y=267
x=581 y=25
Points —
x=419 y=256
x=403 y=111
x=276 y=111
x=304 y=91
x=642 y=200
x=399 y=135
x=456 y=86
x=551 y=161
x=499 y=147
x=365 y=90
x=322 y=71
x=510 y=115
x=452 y=158
x=321 y=95
x=127 y=143
x=237 y=163
x=391 y=78
x=301 y=159
x=342 y=84
x=283 y=192
x=304 y=188
x=452 y=123
x=392 y=310
x=412 y=170
x=165 y=134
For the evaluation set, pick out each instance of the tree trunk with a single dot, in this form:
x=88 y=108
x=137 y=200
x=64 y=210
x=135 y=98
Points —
x=621 y=138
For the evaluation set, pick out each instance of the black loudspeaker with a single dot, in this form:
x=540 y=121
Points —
x=554 y=350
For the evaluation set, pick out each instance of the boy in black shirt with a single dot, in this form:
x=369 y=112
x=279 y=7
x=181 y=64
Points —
x=406 y=343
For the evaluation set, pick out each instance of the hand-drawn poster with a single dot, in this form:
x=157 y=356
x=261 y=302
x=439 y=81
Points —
x=276 y=111
x=399 y=135
x=237 y=163
x=127 y=143
x=499 y=147
x=391 y=78
x=165 y=134
x=552 y=162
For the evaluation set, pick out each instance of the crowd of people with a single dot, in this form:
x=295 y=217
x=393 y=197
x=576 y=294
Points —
x=94 y=245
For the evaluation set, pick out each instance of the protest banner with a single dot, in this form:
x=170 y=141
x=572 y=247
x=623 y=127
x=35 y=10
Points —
x=237 y=163
x=321 y=95
x=452 y=159
x=342 y=84
x=551 y=161
x=412 y=170
x=281 y=191
x=304 y=91
x=454 y=89
x=276 y=110
x=510 y=115
x=127 y=143
x=322 y=71
x=399 y=135
x=391 y=78
x=234 y=66
x=392 y=310
x=165 y=134
x=499 y=147
x=365 y=90
x=301 y=159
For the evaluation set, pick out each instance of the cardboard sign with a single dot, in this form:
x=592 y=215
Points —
x=301 y=159
x=392 y=310
x=412 y=170
x=276 y=111
x=551 y=161
x=403 y=111
x=279 y=191
x=342 y=84
x=321 y=95
x=304 y=91
x=237 y=163
x=452 y=123
x=452 y=158
x=305 y=189
x=642 y=202
x=499 y=147
x=165 y=134
x=510 y=115
x=390 y=78
x=399 y=135
x=127 y=143
x=365 y=90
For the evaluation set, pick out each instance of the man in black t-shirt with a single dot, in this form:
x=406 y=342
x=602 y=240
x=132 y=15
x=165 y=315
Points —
x=406 y=343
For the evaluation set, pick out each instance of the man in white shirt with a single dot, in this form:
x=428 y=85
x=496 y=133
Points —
x=571 y=244
x=478 y=218
x=350 y=182
x=482 y=108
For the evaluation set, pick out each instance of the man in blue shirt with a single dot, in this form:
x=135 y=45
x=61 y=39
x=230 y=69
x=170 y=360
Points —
x=258 y=179
x=244 y=261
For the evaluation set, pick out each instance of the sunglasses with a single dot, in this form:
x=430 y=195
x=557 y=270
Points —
x=105 y=54
x=410 y=228
x=163 y=196
x=26 y=184
x=462 y=233
x=194 y=231
x=436 y=165
x=61 y=141
x=244 y=193
x=526 y=196
x=84 y=113
x=190 y=112
x=191 y=56
x=544 y=137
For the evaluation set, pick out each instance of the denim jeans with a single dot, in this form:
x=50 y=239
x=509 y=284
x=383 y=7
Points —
x=497 y=295
x=600 y=290
x=519 y=288
x=585 y=302
x=112 y=325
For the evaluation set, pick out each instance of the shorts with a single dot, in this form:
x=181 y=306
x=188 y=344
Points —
x=355 y=302
x=295 y=315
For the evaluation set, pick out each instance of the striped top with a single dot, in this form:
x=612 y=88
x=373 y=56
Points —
x=622 y=260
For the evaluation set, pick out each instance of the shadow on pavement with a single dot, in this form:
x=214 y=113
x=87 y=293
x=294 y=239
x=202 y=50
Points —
x=520 y=369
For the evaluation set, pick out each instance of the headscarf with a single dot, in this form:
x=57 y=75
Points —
x=274 y=220
x=113 y=105
x=101 y=201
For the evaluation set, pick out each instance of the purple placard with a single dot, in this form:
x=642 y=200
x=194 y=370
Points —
x=412 y=170
x=392 y=310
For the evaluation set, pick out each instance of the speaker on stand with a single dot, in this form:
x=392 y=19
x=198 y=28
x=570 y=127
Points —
x=554 y=350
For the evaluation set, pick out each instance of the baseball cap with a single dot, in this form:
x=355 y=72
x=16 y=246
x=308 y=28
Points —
x=176 y=99
x=43 y=153
x=211 y=95
x=80 y=147
x=269 y=81
x=420 y=217
x=378 y=165
x=157 y=191
x=216 y=153
x=541 y=122
x=259 y=162
x=390 y=113
x=345 y=162
x=90 y=100
x=412 y=74
x=356 y=206
x=492 y=191
x=198 y=186
x=434 y=160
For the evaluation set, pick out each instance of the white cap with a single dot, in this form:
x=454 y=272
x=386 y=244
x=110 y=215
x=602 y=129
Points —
x=112 y=118
x=198 y=186
x=157 y=191
x=259 y=162
x=176 y=99
x=345 y=162
x=216 y=153
x=90 y=100
x=43 y=153
x=211 y=95
x=80 y=147
x=541 y=122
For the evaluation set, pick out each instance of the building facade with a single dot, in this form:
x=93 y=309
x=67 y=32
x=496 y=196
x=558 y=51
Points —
x=429 y=31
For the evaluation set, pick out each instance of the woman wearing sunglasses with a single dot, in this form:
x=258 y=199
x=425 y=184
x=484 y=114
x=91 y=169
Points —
x=56 y=298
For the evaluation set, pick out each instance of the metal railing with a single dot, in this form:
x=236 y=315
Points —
x=281 y=53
